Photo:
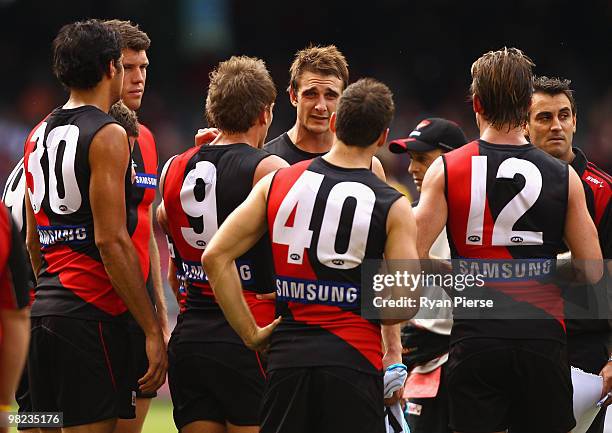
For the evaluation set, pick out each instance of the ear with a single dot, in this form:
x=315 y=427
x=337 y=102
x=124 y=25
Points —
x=293 y=96
x=526 y=130
x=476 y=104
x=574 y=120
x=112 y=69
x=383 y=138
x=332 y=122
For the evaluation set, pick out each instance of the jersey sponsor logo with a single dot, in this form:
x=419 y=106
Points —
x=317 y=292
x=66 y=235
x=595 y=181
x=507 y=270
x=144 y=180
x=193 y=271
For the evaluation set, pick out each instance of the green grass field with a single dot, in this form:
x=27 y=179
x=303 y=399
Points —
x=159 y=419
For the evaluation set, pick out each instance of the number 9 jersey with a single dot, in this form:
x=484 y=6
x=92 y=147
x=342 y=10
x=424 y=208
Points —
x=72 y=281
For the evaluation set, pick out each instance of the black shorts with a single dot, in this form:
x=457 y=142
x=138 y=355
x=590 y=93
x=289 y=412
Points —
x=430 y=415
x=22 y=395
x=140 y=362
x=81 y=368
x=323 y=400
x=495 y=384
x=214 y=382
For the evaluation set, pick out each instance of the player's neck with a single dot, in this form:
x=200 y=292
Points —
x=309 y=142
x=96 y=97
x=503 y=135
x=224 y=138
x=569 y=156
x=345 y=156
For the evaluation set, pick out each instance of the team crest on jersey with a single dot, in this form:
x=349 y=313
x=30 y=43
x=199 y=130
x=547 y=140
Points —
x=422 y=124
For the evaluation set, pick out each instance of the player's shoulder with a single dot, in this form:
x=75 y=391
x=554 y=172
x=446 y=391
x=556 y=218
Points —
x=276 y=144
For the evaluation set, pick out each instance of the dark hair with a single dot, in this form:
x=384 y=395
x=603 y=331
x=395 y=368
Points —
x=555 y=86
x=126 y=118
x=326 y=60
x=364 y=111
x=240 y=89
x=82 y=52
x=131 y=36
x=503 y=82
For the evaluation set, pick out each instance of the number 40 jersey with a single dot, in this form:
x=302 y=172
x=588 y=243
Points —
x=72 y=281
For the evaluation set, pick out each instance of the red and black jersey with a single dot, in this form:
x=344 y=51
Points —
x=202 y=186
x=144 y=163
x=323 y=221
x=14 y=285
x=72 y=280
x=508 y=202
x=13 y=198
x=597 y=186
x=285 y=148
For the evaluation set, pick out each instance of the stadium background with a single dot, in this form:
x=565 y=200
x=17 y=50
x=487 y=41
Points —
x=422 y=50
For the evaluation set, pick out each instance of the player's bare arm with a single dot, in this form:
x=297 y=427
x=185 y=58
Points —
x=240 y=231
x=580 y=233
x=432 y=211
x=378 y=169
x=108 y=159
x=268 y=165
x=32 y=238
x=158 y=286
x=15 y=325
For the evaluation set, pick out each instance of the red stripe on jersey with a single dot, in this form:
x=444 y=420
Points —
x=600 y=186
x=85 y=277
x=354 y=330
x=458 y=166
x=8 y=299
x=142 y=233
x=281 y=184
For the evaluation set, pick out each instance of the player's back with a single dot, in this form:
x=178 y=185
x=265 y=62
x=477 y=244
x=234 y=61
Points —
x=201 y=188
x=72 y=280
x=506 y=206
x=324 y=221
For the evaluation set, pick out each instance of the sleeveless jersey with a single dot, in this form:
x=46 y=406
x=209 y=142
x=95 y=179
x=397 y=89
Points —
x=14 y=286
x=144 y=163
x=508 y=202
x=72 y=280
x=324 y=221
x=285 y=148
x=201 y=188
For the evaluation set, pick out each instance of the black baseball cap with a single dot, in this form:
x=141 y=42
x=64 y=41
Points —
x=431 y=133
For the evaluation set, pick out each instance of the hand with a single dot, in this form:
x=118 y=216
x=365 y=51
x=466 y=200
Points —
x=205 y=135
x=606 y=373
x=262 y=296
x=393 y=357
x=259 y=340
x=158 y=364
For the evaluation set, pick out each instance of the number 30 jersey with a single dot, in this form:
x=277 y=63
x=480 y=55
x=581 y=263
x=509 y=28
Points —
x=505 y=203
x=201 y=188
x=72 y=281
x=324 y=221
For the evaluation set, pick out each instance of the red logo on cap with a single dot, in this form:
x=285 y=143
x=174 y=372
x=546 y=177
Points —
x=422 y=124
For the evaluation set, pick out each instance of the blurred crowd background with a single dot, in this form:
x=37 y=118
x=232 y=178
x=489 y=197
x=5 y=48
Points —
x=422 y=49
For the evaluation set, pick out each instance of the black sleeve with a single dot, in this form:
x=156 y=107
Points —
x=20 y=269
